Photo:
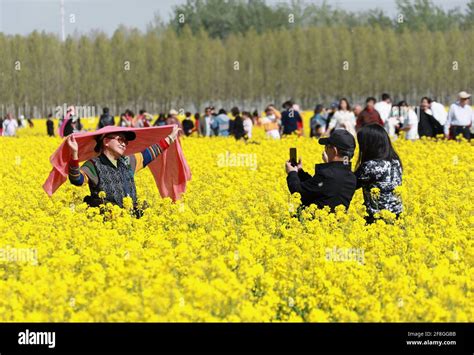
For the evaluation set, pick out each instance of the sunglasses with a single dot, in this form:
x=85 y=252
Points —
x=120 y=139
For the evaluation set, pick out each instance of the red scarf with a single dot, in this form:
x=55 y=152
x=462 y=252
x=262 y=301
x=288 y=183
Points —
x=170 y=169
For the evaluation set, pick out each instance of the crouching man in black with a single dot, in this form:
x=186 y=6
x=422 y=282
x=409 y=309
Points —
x=333 y=183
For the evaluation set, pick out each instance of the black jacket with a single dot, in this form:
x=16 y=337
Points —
x=333 y=184
x=106 y=120
x=238 y=128
x=188 y=126
x=50 y=128
x=428 y=125
x=72 y=126
x=289 y=121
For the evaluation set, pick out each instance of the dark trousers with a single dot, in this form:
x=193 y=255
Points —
x=457 y=130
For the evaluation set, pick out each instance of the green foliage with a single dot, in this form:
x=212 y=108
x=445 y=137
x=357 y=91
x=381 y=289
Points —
x=469 y=16
x=220 y=18
x=244 y=53
x=419 y=14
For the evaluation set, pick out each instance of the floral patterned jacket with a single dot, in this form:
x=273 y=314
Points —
x=385 y=176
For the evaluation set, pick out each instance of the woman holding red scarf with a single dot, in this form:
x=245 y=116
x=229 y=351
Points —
x=112 y=172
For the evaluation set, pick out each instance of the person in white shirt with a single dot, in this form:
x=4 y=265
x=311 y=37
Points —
x=248 y=124
x=409 y=118
x=22 y=122
x=343 y=118
x=439 y=112
x=384 y=108
x=205 y=123
x=460 y=118
x=10 y=125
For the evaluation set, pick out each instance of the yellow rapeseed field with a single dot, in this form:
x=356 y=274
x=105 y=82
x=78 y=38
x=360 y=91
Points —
x=233 y=248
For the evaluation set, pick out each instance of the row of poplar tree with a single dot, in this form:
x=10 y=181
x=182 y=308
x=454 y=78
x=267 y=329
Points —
x=188 y=65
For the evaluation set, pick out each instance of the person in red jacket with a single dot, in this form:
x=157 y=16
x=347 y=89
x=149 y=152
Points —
x=369 y=115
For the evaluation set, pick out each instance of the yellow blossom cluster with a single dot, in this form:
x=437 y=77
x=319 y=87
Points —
x=236 y=247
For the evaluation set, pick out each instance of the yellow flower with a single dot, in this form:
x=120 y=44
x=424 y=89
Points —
x=238 y=247
x=375 y=192
x=128 y=203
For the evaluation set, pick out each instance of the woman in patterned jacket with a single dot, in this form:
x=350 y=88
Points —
x=112 y=172
x=378 y=172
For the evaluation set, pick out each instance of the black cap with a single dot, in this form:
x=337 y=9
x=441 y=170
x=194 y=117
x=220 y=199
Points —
x=130 y=136
x=340 y=138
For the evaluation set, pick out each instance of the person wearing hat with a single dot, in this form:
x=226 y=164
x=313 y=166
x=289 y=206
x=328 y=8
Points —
x=460 y=118
x=334 y=183
x=112 y=172
x=173 y=119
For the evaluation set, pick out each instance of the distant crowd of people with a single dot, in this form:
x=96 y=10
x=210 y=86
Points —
x=9 y=124
x=429 y=119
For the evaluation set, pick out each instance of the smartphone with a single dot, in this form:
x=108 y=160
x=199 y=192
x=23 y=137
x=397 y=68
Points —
x=293 y=159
